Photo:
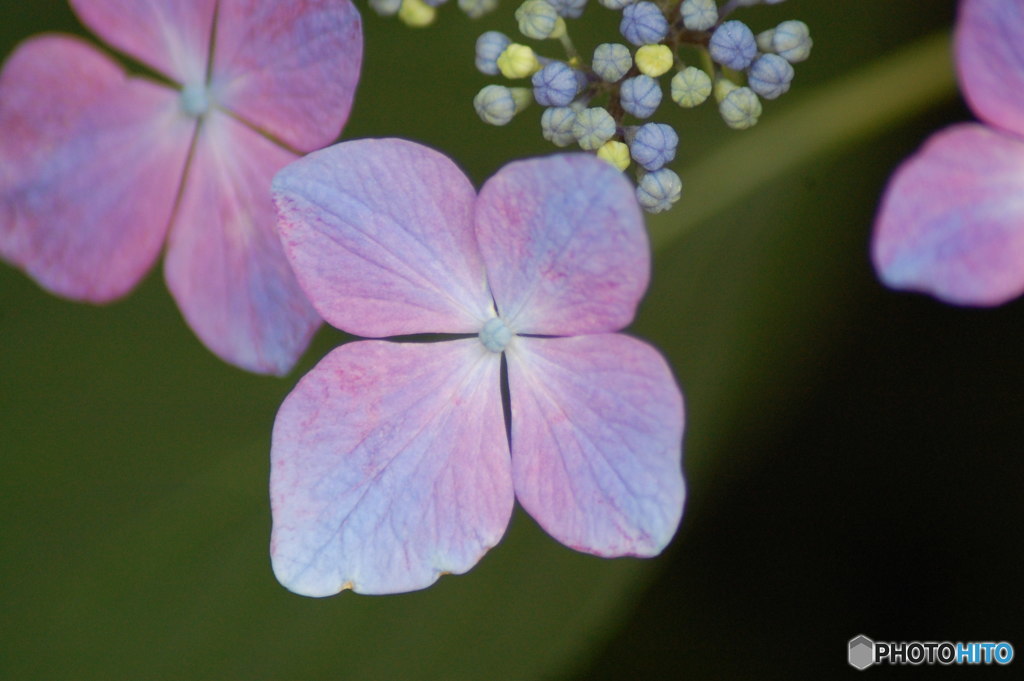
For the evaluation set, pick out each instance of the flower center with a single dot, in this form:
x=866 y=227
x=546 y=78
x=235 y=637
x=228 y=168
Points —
x=495 y=335
x=195 y=99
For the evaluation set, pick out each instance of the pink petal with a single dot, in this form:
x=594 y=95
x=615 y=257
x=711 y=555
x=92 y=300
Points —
x=597 y=433
x=90 y=164
x=225 y=265
x=170 y=37
x=380 y=235
x=290 y=68
x=990 y=60
x=565 y=246
x=389 y=468
x=951 y=222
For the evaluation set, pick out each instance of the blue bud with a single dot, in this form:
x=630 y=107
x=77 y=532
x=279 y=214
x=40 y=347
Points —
x=640 y=95
x=699 y=15
x=556 y=125
x=570 y=9
x=488 y=47
x=733 y=45
x=770 y=76
x=644 y=24
x=612 y=61
x=386 y=8
x=653 y=145
x=593 y=127
x=657 y=191
x=616 y=4
x=475 y=9
x=555 y=85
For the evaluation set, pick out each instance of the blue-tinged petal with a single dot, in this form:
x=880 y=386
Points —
x=380 y=235
x=990 y=60
x=951 y=222
x=170 y=37
x=290 y=68
x=90 y=165
x=565 y=245
x=225 y=265
x=597 y=434
x=389 y=468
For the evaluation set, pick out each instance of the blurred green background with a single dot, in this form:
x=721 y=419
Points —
x=853 y=454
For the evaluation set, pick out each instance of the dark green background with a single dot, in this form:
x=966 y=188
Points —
x=853 y=454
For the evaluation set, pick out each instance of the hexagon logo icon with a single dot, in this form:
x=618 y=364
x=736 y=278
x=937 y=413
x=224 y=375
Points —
x=861 y=652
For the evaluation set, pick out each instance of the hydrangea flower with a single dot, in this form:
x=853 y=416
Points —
x=99 y=168
x=951 y=222
x=390 y=460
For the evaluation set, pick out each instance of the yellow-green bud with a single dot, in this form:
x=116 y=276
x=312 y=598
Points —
x=616 y=153
x=723 y=86
x=416 y=13
x=690 y=87
x=654 y=60
x=517 y=61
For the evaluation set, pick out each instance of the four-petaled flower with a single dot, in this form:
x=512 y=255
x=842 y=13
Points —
x=951 y=222
x=390 y=460
x=97 y=168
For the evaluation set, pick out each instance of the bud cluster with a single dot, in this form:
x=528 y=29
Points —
x=420 y=13
x=602 y=103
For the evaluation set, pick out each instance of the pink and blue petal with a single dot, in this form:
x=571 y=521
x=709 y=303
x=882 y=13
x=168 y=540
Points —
x=565 y=246
x=288 y=68
x=380 y=235
x=389 y=468
x=990 y=60
x=225 y=265
x=951 y=221
x=172 y=38
x=90 y=165
x=597 y=428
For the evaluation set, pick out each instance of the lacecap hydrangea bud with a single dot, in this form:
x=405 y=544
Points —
x=593 y=127
x=643 y=23
x=386 y=8
x=556 y=124
x=539 y=20
x=654 y=60
x=475 y=9
x=615 y=4
x=640 y=96
x=416 y=13
x=612 y=61
x=690 y=87
x=570 y=9
x=657 y=191
x=739 y=106
x=699 y=15
x=518 y=61
x=555 y=85
x=653 y=145
x=616 y=153
x=770 y=76
x=489 y=47
x=791 y=40
x=733 y=45
x=497 y=104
